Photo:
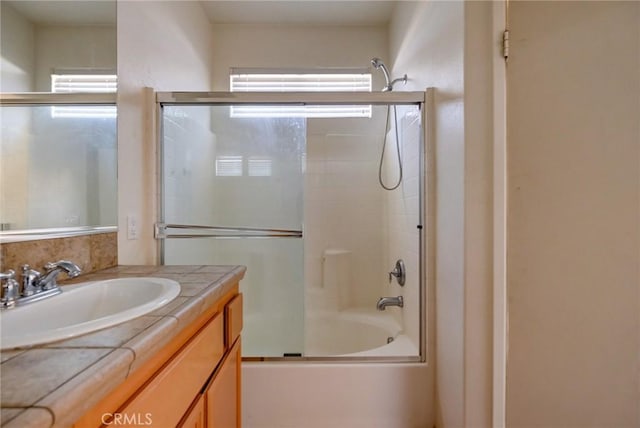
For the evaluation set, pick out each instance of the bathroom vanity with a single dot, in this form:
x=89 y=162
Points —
x=178 y=366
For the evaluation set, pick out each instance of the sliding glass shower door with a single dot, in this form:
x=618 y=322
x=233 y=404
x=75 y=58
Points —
x=237 y=183
x=243 y=174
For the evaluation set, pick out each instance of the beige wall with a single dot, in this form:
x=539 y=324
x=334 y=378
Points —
x=282 y=46
x=480 y=50
x=166 y=46
x=574 y=214
x=72 y=47
x=17 y=46
x=426 y=43
x=450 y=46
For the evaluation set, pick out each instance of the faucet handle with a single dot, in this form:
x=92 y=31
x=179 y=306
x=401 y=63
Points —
x=10 y=289
x=10 y=274
x=399 y=272
x=29 y=280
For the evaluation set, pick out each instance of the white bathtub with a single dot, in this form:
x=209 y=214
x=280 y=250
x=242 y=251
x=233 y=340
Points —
x=361 y=392
x=355 y=332
x=349 y=333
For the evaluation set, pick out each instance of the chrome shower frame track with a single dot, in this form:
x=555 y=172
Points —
x=426 y=187
x=289 y=98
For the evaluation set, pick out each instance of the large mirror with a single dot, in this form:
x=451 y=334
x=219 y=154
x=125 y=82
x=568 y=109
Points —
x=57 y=158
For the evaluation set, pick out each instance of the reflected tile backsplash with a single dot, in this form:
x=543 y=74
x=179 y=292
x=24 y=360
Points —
x=90 y=252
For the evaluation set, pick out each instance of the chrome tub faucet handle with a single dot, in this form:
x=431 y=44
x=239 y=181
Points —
x=399 y=273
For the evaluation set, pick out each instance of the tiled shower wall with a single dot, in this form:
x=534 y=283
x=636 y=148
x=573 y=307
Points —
x=344 y=204
x=402 y=216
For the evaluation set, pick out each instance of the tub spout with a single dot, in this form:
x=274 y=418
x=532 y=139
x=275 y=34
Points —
x=383 y=302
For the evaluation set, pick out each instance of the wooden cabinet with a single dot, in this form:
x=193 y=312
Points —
x=233 y=318
x=223 y=394
x=194 y=382
x=170 y=393
x=195 y=416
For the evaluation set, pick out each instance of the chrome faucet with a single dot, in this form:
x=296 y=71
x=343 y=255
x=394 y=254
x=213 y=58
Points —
x=35 y=285
x=48 y=281
x=10 y=289
x=383 y=302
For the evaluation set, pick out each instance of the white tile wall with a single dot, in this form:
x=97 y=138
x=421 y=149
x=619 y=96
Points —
x=344 y=204
x=402 y=210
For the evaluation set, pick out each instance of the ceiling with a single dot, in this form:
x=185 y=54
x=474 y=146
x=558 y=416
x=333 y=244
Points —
x=309 y=12
x=83 y=12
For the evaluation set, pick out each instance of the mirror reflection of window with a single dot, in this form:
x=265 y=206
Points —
x=40 y=36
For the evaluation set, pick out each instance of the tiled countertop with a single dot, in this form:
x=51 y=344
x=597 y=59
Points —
x=55 y=384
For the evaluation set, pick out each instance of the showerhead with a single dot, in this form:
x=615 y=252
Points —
x=376 y=62
x=379 y=65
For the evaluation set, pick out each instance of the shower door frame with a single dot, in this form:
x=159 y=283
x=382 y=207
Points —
x=426 y=188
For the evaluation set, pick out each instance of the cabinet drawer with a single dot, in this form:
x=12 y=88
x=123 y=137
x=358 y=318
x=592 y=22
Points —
x=169 y=394
x=233 y=316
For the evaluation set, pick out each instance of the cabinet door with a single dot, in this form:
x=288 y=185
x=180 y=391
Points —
x=223 y=395
x=195 y=417
x=233 y=320
x=169 y=394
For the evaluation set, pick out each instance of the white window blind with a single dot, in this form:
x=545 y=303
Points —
x=229 y=166
x=86 y=83
x=307 y=82
x=246 y=80
x=260 y=167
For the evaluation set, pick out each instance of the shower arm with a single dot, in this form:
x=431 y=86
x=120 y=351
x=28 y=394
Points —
x=402 y=79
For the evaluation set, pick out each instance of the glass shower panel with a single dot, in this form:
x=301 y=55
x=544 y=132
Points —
x=355 y=231
x=241 y=173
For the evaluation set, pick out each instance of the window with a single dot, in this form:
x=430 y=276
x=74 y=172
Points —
x=260 y=167
x=229 y=166
x=234 y=166
x=267 y=80
x=92 y=83
x=100 y=83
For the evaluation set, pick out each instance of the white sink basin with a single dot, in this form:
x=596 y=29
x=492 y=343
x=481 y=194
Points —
x=83 y=308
